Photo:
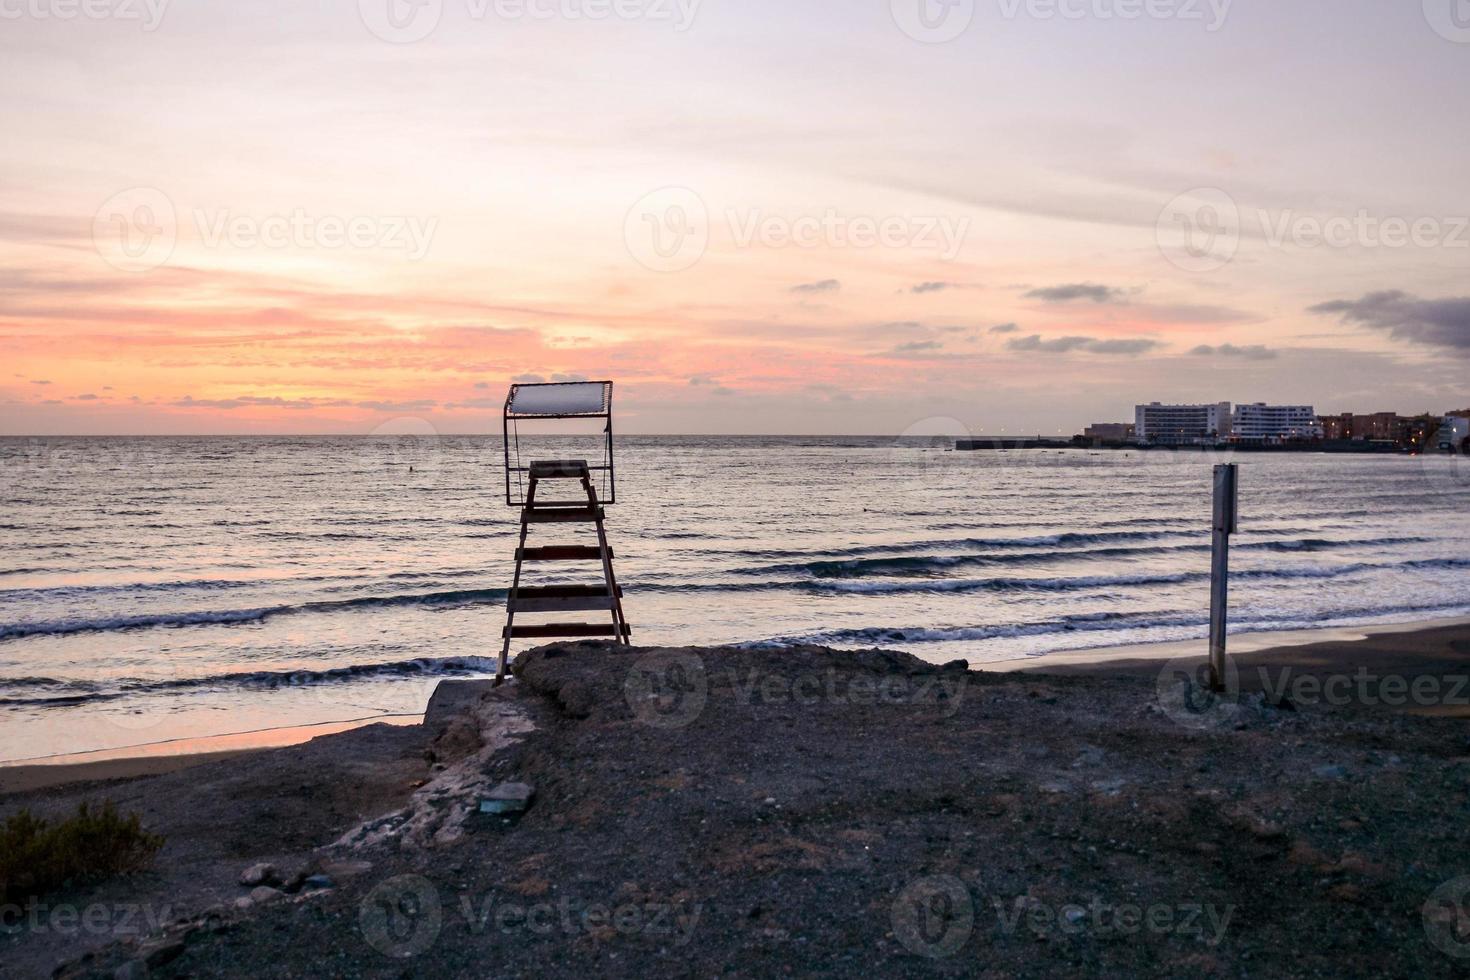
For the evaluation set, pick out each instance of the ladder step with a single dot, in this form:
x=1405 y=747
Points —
x=566 y=629
x=562 y=552
x=562 y=515
x=561 y=598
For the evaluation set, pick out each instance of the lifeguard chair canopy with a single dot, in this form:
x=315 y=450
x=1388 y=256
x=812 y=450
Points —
x=561 y=401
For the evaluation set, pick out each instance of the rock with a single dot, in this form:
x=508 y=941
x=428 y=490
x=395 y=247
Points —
x=131 y=970
x=1330 y=772
x=162 y=953
x=346 y=868
x=508 y=798
x=243 y=902
x=260 y=874
x=264 y=894
x=319 y=883
x=1055 y=786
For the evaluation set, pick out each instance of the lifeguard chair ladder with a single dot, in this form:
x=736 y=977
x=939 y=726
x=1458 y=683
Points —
x=561 y=401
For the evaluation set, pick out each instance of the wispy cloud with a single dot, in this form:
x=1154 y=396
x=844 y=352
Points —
x=824 y=286
x=1253 y=352
x=932 y=287
x=1071 y=292
x=1090 y=345
x=1005 y=328
x=1438 y=322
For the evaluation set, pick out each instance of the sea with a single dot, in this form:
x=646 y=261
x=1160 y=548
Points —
x=158 y=589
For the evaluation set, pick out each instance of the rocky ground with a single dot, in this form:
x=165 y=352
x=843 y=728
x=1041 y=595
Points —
x=752 y=813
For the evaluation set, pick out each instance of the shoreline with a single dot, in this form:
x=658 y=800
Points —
x=151 y=759
x=169 y=755
x=1264 y=641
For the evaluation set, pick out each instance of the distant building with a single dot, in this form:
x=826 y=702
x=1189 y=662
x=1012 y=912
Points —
x=1264 y=424
x=1453 y=435
x=1377 y=427
x=1109 y=432
x=1181 y=425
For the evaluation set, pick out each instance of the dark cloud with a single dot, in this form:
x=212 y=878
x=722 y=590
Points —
x=1074 y=291
x=703 y=380
x=1253 y=352
x=527 y=379
x=482 y=385
x=917 y=346
x=932 y=287
x=568 y=378
x=1004 y=328
x=1438 y=322
x=40 y=382
x=1090 y=345
x=825 y=286
x=88 y=397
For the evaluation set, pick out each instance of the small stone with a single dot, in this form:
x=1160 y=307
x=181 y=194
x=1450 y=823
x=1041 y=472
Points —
x=319 y=883
x=1330 y=772
x=260 y=874
x=508 y=798
x=264 y=894
x=243 y=902
x=346 y=868
x=1075 y=915
x=770 y=801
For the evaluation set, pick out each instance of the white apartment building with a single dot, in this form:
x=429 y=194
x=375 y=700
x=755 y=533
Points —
x=1181 y=425
x=1262 y=423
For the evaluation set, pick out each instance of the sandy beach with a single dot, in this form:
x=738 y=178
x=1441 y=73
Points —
x=809 y=810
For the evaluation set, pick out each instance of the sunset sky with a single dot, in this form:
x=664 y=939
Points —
x=811 y=217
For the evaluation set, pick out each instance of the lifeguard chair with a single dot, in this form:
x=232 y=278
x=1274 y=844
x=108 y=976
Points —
x=583 y=400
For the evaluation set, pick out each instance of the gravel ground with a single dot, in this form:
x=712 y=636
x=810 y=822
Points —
x=737 y=812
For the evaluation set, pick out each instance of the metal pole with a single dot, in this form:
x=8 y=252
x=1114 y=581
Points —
x=1225 y=524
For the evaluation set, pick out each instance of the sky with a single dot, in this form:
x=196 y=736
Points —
x=833 y=216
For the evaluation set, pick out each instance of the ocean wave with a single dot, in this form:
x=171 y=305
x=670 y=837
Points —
x=69 y=693
x=217 y=617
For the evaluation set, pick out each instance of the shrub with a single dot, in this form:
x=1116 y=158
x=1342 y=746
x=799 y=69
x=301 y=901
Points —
x=38 y=855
